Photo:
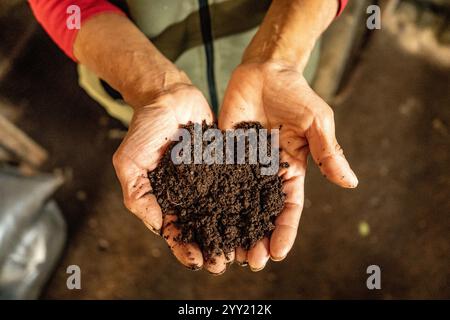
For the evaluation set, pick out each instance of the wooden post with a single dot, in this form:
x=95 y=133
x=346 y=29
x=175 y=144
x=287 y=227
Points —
x=15 y=141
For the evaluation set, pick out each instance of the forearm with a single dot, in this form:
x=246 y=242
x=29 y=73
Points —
x=290 y=30
x=112 y=47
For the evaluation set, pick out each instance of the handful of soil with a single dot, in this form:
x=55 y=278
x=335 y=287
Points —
x=218 y=206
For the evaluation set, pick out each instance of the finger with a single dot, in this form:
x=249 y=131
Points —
x=194 y=101
x=217 y=264
x=241 y=256
x=286 y=224
x=326 y=151
x=259 y=255
x=297 y=160
x=230 y=257
x=188 y=254
x=136 y=191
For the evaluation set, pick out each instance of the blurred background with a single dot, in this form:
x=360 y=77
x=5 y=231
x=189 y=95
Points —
x=390 y=89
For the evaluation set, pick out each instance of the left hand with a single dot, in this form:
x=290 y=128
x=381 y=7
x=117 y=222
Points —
x=278 y=96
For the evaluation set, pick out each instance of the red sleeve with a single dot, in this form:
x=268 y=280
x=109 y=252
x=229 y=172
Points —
x=53 y=16
x=342 y=4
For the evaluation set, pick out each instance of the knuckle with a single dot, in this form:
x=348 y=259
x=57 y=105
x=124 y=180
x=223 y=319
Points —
x=127 y=203
x=328 y=113
x=324 y=118
x=116 y=159
x=130 y=205
x=338 y=149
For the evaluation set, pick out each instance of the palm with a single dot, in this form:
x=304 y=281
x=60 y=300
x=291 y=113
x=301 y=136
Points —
x=281 y=98
x=150 y=132
x=154 y=125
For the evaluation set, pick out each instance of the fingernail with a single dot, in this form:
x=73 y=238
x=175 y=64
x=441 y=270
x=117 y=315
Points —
x=157 y=232
x=193 y=267
x=277 y=258
x=152 y=229
x=242 y=264
x=217 y=274
x=256 y=269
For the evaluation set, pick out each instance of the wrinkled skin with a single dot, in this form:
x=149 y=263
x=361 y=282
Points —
x=150 y=132
x=279 y=96
x=273 y=94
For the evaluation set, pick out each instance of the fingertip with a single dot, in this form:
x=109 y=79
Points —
x=191 y=256
x=277 y=259
x=152 y=229
x=148 y=210
x=188 y=254
x=347 y=180
x=241 y=256
x=257 y=269
x=281 y=242
x=230 y=257
x=194 y=267
x=154 y=222
x=352 y=181
x=259 y=255
x=337 y=170
x=216 y=265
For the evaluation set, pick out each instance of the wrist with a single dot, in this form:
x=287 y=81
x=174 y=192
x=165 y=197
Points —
x=127 y=60
x=153 y=85
x=290 y=30
x=278 y=54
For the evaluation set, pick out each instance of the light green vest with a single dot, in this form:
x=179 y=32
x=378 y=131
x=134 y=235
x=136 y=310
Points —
x=180 y=30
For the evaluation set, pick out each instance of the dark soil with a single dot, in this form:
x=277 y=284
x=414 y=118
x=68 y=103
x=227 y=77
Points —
x=218 y=206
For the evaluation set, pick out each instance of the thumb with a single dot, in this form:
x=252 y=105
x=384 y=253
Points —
x=325 y=150
x=137 y=192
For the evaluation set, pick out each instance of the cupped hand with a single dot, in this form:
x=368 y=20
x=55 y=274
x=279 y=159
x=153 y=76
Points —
x=279 y=97
x=150 y=132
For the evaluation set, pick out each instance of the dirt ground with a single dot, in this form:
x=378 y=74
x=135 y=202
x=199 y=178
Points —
x=392 y=120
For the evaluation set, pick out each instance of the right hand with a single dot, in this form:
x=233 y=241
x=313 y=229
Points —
x=149 y=134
